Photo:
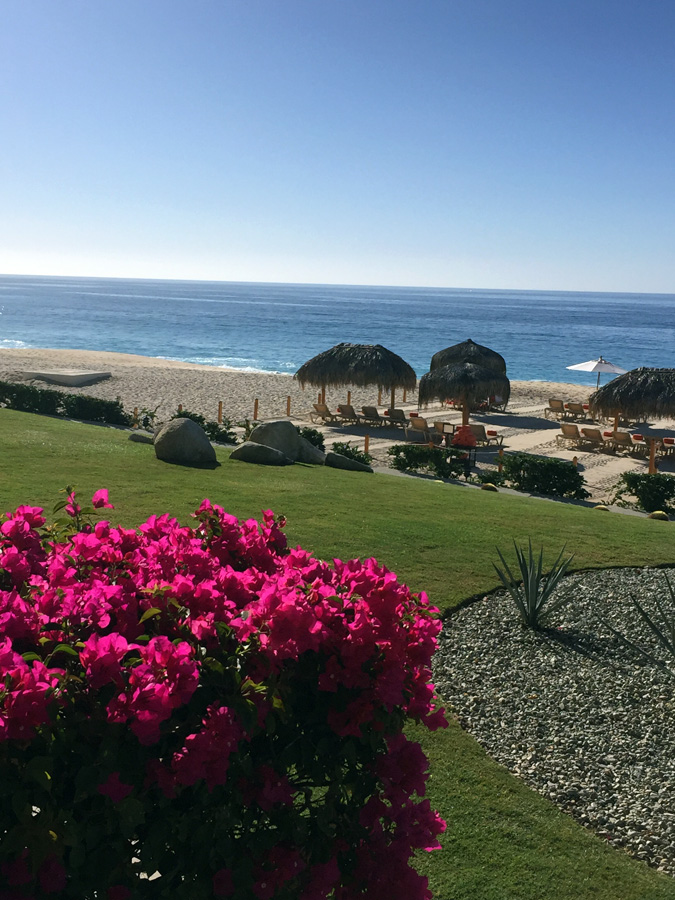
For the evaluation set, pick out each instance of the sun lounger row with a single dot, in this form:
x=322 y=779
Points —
x=595 y=438
x=346 y=414
x=567 y=410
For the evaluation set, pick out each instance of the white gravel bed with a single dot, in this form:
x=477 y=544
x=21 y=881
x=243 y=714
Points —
x=573 y=711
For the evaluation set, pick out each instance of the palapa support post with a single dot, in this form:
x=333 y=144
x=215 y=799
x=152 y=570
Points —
x=323 y=393
x=393 y=400
x=652 y=456
x=405 y=394
x=500 y=461
x=616 y=423
x=220 y=412
x=255 y=410
x=366 y=443
x=465 y=413
x=288 y=405
x=349 y=398
x=379 y=396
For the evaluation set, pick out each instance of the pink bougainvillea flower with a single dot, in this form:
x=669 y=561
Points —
x=114 y=788
x=72 y=507
x=100 y=499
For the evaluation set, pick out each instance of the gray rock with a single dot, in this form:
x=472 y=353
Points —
x=260 y=454
x=141 y=437
x=308 y=453
x=183 y=441
x=283 y=436
x=338 y=461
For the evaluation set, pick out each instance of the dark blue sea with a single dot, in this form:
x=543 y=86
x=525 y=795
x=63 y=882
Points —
x=277 y=327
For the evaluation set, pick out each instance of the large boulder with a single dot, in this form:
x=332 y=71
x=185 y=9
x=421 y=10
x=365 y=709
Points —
x=338 y=461
x=259 y=453
x=283 y=436
x=183 y=441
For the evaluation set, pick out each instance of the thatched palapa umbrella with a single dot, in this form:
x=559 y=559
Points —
x=360 y=365
x=639 y=394
x=469 y=351
x=465 y=383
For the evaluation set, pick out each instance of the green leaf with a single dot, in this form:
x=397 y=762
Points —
x=149 y=613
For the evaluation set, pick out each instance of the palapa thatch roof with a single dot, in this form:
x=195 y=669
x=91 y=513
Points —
x=640 y=393
x=357 y=364
x=465 y=383
x=469 y=351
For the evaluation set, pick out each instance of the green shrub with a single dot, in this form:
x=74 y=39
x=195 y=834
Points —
x=652 y=492
x=28 y=398
x=93 y=409
x=215 y=431
x=444 y=462
x=533 y=596
x=544 y=475
x=489 y=477
x=313 y=436
x=344 y=448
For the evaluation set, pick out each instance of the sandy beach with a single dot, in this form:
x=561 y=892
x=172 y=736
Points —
x=162 y=384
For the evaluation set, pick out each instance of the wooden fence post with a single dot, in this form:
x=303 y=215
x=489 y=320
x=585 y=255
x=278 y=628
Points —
x=255 y=410
x=288 y=405
x=366 y=443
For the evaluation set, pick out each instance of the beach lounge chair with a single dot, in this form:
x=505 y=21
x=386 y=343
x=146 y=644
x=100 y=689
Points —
x=418 y=429
x=621 y=440
x=640 y=445
x=592 y=439
x=347 y=413
x=555 y=409
x=569 y=435
x=667 y=447
x=323 y=414
x=484 y=437
x=576 y=411
x=397 y=417
x=371 y=416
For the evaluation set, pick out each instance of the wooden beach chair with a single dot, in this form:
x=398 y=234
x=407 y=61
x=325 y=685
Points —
x=555 y=409
x=621 y=440
x=592 y=439
x=323 y=414
x=576 y=411
x=569 y=435
x=640 y=445
x=347 y=413
x=418 y=429
x=483 y=437
x=397 y=417
x=371 y=416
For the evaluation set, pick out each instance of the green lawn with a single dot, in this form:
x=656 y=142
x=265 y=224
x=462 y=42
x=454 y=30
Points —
x=503 y=841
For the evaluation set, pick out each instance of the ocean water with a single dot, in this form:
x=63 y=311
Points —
x=277 y=327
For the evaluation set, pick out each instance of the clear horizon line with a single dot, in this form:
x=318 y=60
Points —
x=440 y=287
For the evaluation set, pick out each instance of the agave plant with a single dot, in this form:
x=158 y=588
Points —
x=663 y=631
x=532 y=594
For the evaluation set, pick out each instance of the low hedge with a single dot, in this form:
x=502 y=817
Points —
x=652 y=492
x=544 y=475
x=27 y=398
x=444 y=462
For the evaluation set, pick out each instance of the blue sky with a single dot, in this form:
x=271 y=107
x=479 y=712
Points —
x=461 y=143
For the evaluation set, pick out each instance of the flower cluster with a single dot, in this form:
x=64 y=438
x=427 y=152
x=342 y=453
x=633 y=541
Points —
x=205 y=706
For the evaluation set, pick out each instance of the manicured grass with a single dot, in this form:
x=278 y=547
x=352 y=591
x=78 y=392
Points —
x=503 y=841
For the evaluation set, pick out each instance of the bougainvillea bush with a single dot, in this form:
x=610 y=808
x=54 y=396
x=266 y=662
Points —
x=204 y=713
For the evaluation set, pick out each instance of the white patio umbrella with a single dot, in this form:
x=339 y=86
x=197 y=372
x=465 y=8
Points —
x=598 y=365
